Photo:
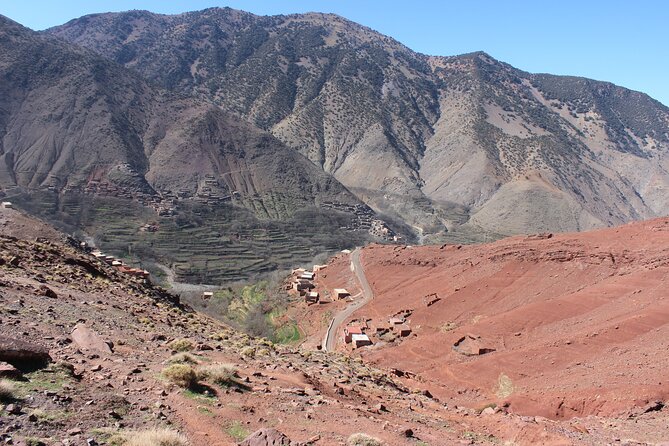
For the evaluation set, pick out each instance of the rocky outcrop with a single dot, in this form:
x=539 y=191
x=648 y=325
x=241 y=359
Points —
x=268 y=437
x=23 y=355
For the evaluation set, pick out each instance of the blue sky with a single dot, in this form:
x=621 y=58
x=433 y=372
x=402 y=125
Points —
x=624 y=42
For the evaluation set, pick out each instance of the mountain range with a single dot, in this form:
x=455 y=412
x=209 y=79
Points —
x=445 y=143
x=303 y=130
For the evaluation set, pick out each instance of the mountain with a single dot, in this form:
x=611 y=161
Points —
x=69 y=116
x=466 y=144
x=75 y=127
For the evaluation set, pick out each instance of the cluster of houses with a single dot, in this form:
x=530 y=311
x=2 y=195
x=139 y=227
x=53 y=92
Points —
x=120 y=266
x=364 y=220
x=359 y=333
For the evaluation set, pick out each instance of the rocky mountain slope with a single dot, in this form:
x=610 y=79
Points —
x=462 y=143
x=90 y=143
x=561 y=326
x=70 y=117
x=104 y=358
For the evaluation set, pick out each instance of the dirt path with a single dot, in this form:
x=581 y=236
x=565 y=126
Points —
x=330 y=339
x=179 y=287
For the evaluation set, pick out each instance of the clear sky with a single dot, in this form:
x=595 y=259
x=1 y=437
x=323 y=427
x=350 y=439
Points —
x=624 y=42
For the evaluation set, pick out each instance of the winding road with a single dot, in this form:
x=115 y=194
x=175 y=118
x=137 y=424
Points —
x=330 y=339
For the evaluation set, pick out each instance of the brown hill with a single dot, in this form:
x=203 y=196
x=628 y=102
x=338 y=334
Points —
x=111 y=339
x=464 y=143
x=559 y=326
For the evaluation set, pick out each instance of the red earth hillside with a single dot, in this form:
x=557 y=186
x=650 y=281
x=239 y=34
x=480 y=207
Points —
x=558 y=326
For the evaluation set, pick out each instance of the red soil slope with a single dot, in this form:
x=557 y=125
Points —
x=579 y=322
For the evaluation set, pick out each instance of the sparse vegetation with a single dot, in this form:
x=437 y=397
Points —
x=448 y=326
x=237 y=431
x=7 y=391
x=155 y=437
x=181 y=345
x=219 y=374
x=183 y=358
x=504 y=386
x=361 y=439
x=181 y=374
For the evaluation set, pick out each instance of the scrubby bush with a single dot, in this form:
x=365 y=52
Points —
x=183 y=358
x=220 y=374
x=7 y=391
x=248 y=352
x=181 y=374
x=181 y=345
x=156 y=437
x=363 y=440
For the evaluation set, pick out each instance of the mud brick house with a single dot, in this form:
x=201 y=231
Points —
x=350 y=331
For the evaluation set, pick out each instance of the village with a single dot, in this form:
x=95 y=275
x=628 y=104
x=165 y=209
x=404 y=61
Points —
x=359 y=332
x=117 y=263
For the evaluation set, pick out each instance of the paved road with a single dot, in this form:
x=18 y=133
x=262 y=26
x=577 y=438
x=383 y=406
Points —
x=330 y=339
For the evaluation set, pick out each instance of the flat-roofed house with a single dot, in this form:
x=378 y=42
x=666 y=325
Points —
x=311 y=297
x=360 y=340
x=350 y=331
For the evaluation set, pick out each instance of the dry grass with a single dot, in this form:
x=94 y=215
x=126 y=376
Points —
x=220 y=374
x=7 y=391
x=181 y=345
x=156 y=437
x=180 y=374
x=183 y=358
x=360 y=439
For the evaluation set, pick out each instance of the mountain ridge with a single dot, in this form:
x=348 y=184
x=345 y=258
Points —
x=451 y=139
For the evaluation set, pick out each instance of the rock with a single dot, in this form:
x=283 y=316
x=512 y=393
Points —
x=96 y=368
x=9 y=371
x=48 y=292
x=15 y=261
x=88 y=340
x=23 y=355
x=74 y=431
x=91 y=442
x=488 y=411
x=408 y=432
x=13 y=409
x=267 y=437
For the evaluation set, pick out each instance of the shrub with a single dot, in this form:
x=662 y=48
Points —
x=237 y=431
x=7 y=391
x=220 y=374
x=156 y=437
x=181 y=345
x=183 y=358
x=248 y=352
x=363 y=440
x=181 y=374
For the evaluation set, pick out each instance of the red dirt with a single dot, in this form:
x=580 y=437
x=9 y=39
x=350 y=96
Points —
x=579 y=322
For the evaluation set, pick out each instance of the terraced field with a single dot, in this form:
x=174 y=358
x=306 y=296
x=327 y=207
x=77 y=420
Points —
x=201 y=244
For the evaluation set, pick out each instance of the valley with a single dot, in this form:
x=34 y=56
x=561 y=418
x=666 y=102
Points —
x=220 y=228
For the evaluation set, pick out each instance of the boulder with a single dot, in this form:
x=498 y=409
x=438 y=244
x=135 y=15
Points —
x=88 y=340
x=23 y=355
x=9 y=371
x=267 y=437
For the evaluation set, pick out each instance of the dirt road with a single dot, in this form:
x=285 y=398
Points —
x=330 y=339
